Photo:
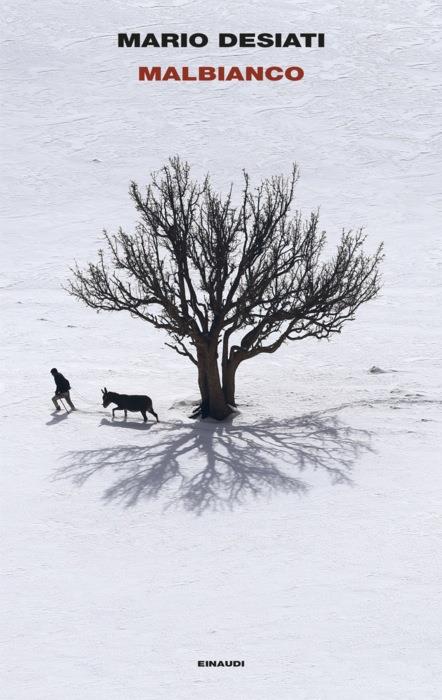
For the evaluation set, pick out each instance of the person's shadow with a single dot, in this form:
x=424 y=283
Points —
x=57 y=417
x=208 y=465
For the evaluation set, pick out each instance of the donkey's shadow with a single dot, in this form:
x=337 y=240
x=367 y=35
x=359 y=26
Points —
x=209 y=465
x=123 y=423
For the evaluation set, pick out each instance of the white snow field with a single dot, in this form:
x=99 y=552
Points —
x=304 y=536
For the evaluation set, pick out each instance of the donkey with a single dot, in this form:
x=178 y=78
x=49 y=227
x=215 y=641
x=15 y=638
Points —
x=127 y=403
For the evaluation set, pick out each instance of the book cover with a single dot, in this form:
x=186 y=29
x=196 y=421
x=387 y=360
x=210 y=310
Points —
x=221 y=350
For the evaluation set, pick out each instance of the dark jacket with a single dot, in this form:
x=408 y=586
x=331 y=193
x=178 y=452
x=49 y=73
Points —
x=62 y=383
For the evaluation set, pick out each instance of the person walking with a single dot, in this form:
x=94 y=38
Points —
x=62 y=390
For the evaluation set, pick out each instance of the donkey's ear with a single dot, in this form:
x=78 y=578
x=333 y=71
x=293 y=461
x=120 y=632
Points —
x=105 y=390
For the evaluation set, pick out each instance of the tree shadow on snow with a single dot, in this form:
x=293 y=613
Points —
x=208 y=465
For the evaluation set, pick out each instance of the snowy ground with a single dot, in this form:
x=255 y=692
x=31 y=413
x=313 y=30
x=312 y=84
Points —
x=304 y=536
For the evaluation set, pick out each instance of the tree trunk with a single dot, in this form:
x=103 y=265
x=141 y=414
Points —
x=229 y=372
x=213 y=402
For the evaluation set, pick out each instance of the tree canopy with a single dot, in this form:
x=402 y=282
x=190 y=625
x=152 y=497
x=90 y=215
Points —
x=227 y=281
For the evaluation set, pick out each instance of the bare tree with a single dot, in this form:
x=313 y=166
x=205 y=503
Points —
x=226 y=282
